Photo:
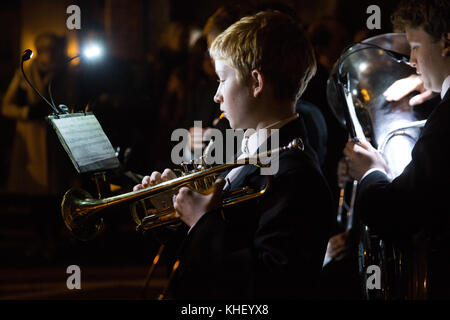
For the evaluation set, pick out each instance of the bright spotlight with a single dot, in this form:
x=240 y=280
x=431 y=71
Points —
x=92 y=51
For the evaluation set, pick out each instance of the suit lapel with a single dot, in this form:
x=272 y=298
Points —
x=437 y=115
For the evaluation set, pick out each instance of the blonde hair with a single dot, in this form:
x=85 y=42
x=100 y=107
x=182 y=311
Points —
x=274 y=44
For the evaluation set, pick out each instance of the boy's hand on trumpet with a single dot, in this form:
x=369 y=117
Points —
x=155 y=178
x=190 y=205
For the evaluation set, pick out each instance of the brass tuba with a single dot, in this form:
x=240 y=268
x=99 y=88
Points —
x=153 y=207
x=355 y=93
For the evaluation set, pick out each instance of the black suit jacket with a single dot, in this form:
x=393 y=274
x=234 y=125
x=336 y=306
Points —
x=316 y=128
x=418 y=199
x=271 y=247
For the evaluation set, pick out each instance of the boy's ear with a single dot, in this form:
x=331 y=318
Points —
x=257 y=82
x=446 y=47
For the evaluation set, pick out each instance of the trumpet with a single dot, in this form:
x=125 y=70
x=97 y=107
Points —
x=153 y=207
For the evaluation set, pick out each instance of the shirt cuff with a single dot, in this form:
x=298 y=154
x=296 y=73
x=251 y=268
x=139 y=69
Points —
x=370 y=171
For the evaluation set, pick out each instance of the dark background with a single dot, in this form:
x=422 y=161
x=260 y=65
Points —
x=127 y=104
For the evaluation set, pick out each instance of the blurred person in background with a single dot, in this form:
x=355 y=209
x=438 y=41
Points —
x=39 y=169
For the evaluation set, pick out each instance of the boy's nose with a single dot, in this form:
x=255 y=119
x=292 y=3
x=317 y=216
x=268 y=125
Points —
x=217 y=98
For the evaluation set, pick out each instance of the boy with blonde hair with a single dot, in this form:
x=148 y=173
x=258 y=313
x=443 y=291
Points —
x=271 y=247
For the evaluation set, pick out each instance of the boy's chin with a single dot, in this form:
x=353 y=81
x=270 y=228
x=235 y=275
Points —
x=238 y=125
x=235 y=126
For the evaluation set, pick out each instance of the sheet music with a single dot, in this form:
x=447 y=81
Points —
x=86 y=142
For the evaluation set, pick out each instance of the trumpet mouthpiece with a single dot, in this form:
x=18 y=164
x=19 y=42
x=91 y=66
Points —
x=297 y=143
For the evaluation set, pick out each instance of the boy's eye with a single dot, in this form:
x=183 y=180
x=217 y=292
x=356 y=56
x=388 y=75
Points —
x=219 y=80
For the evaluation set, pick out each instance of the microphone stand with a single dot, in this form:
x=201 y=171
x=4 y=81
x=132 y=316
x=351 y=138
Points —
x=62 y=107
x=27 y=56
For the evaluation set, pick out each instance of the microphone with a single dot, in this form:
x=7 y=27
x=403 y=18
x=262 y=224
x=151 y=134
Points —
x=399 y=57
x=27 y=55
x=396 y=56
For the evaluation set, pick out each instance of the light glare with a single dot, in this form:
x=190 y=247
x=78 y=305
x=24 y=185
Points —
x=92 y=51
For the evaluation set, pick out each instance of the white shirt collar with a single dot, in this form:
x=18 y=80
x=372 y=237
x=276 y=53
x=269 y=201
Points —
x=254 y=139
x=445 y=86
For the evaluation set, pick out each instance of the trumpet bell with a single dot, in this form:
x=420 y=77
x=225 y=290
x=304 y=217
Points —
x=82 y=226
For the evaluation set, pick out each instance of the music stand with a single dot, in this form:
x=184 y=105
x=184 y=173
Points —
x=86 y=144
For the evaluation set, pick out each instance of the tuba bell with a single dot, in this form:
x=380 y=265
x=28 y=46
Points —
x=153 y=207
x=355 y=94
